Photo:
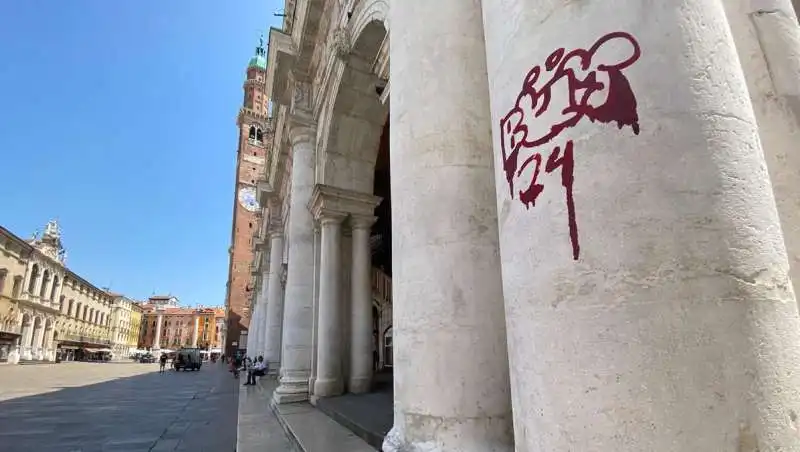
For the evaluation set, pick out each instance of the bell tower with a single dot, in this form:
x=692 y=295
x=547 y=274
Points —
x=255 y=138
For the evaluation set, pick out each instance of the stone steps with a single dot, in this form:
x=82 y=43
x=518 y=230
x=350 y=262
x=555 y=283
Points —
x=29 y=362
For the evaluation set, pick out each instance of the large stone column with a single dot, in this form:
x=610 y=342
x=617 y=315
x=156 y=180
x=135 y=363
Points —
x=767 y=40
x=274 y=323
x=451 y=366
x=646 y=280
x=27 y=339
x=329 y=328
x=195 y=330
x=262 y=323
x=157 y=340
x=297 y=318
x=361 y=309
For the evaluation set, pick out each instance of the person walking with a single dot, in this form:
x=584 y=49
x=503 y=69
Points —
x=162 y=363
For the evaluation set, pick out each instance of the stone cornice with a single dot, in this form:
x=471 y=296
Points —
x=333 y=201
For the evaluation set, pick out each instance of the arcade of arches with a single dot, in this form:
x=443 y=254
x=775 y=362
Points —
x=641 y=282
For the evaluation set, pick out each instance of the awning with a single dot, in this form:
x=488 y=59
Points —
x=98 y=350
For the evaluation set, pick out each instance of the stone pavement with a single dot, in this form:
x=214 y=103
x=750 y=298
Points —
x=120 y=407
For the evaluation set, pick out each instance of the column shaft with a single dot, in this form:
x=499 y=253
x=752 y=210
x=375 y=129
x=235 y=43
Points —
x=297 y=318
x=275 y=305
x=262 y=324
x=157 y=340
x=650 y=273
x=195 y=331
x=329 y=356
x=449 y=323
x=361 y=310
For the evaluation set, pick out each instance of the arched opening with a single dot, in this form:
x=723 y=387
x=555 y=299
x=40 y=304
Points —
x=252 y=134
x=45 y=285
x=34 y=278
x=387 y=347
x=54 y=289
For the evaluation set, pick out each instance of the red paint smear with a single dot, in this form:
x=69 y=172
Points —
x=620 y=106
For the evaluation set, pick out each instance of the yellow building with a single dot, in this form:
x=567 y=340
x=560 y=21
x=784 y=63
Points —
x=126 y=318
x=136 y=326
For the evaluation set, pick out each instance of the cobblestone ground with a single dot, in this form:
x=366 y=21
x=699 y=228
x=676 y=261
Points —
x=121 y=407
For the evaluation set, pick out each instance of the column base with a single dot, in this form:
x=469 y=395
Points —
x=438 y=434
x=290 y=391
x=26 y=353
x=273 y=367
x=13 y=357
x=328 y=387
x=360 y=385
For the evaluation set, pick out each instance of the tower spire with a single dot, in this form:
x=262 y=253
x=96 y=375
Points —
x=259 y=60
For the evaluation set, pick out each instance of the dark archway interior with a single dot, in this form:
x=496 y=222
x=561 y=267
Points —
x=382 y=229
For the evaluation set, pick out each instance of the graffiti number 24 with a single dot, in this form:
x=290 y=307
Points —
x=569 y=86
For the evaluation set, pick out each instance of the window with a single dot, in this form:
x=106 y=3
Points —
x=61 y=303
x=3 y=274
x=69 y=307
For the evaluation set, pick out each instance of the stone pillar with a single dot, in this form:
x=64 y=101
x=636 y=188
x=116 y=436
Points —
x=451 y=365
x=262 y=334
x=48 y=348
x=195 y=331
x=38 y=342
x=274 y=322
x=329 y=356
x=768 y=43
x=37 y=288
x=157 y=340
x=315 y=308
x=361 y=310
x=27 y=279
x=57 y=298
x=297 y=318
x=647 y=292
x=27 y=340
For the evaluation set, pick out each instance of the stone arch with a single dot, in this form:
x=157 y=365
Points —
x=388 y=347
x=367 y=11
x=354 y=120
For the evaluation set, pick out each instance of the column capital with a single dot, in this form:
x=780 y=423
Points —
x=326 y=217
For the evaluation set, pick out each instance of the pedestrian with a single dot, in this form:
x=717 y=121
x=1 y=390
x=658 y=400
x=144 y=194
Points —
x=248 y=368
x=162 y=365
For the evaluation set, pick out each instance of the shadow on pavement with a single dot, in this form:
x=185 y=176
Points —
x=175 y=411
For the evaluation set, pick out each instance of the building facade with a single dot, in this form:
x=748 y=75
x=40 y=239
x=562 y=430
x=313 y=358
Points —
x=254 y=138
x=586 y=213
x=126 y=318
x=171 y=327
x=46 y=308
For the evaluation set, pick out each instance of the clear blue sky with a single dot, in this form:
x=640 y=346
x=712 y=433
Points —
x=118 y=118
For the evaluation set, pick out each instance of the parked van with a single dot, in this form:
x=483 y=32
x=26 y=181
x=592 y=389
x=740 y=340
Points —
x=187 y=359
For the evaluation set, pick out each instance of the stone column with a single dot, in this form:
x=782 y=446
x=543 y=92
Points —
x=57 y=298
x=451 y=365
x=157 y=340
x=38 y=342
x=329 y=356
x=48 y=348
x=27 y=279
x=297 y=318
x=768 y=43
x=195 y=331
x=262 y=334
x=315 y=308
x=361 y=309
x=647 y=292
x=274 y=324
x=27 y=339
x=37 y=287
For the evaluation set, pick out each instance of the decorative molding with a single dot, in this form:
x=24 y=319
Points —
x=329 y=201
x=340 y=44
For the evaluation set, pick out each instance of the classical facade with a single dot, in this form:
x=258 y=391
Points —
x=173 y=327
x=126 y=318
x=51 y=308
x=592 y=211
x=254 y=138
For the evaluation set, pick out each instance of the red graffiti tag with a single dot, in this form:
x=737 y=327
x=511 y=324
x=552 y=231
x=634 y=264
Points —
x=581 y=83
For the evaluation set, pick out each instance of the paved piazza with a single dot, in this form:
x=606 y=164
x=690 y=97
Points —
x=88 y=407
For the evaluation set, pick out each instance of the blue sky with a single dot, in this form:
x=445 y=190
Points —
x=118 y=118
